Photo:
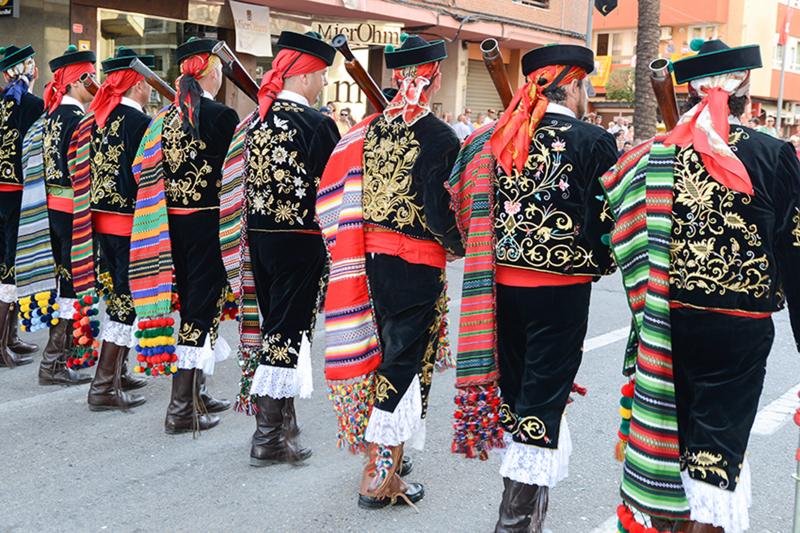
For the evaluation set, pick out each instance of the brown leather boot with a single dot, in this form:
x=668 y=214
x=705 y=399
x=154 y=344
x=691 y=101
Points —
x=523 y=508
x=15 y=344
x=8 y=357
x=53 y=369
x=184 y=410
x=275 y=438
x=697 y=527
x=377 y=491
x=106 y=391
x=662 y=525
x=213 y=405
x=127 y=380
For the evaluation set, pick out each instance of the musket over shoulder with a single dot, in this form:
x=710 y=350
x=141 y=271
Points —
x=235 y=71
x=90 y=83
x=661 y=79
x=493 y=59
x=152 y=79
x=359 y=74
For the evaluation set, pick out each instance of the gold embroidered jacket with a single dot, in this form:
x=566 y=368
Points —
x=58 y=128
x=553 y=217
x=15 y=121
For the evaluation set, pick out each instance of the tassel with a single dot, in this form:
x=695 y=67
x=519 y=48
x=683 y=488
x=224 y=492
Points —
x=249 y=360
x=476 y=428
x=155 y=347
x=352 y=402
x=38 y=311
x=230 y=309
x=86 y=330
x=625 y=412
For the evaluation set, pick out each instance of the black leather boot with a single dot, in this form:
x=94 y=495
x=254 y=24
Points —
x=15 y=344
x=275 y=438
x=213 y=405
x=8 y=326
x=183 y=411
x=127 y=380
x=53 y=369
x=106 y=391
x=523 y=508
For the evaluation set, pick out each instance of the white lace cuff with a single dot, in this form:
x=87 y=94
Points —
x=533 y=465
x=203 y=357
x=275 y=382
x=66 y=307
x=393 y=429
x=119 y=334
x=8 y=293
x=719 y=507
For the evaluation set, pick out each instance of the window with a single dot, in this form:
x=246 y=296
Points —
x=544 y=4
x=602 y=43
x=704 y=32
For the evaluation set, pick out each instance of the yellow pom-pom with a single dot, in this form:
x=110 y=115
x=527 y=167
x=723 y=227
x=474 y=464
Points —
x=56 y=307
x=625 y=413
x=173 y=369
x=54 y=322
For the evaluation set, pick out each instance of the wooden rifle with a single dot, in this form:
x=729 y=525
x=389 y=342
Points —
x=90 y=83
x=493 y=59
x=360 y=75
x=235 y=71
x=152 y=79
x=661 y=79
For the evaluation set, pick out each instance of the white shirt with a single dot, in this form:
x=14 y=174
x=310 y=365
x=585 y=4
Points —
x=462 y=130
x=131 y=103
x=292 y=97
x=560 y=109
x=208 y=95
x=68 y=100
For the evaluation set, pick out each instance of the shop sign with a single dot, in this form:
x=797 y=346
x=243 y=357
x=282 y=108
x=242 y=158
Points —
x=360 y=33
x=9 y=8
x=252 y=29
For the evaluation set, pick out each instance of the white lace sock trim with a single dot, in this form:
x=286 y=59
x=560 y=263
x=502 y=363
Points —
x=304 y=368
x=533 y=465
x=719 y=507
x=190 y=357
x=393 y=429
x=8 y=293
x=275 y=382
x=222 y=350
x=119 y=334
x=66 y=306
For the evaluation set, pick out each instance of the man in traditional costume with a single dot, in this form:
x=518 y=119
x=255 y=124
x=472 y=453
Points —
x=707 y=236
x=385 y=214
x=44 y=243
x=19 y=109
x=268 y=196
x=101 y=162
x=531 y=179
x=176 y=224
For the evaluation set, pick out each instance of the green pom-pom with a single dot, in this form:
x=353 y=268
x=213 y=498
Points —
x=2 y=50
x=71 y=48
x=696 y=44
x=403 y=37
x=389 y=48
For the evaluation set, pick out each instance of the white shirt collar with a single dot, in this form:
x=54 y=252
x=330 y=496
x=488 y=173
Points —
x=292 y=97
x=131 y=103
x=208 y=95
x=734 y=120
x=560 y=109
x=68 y=100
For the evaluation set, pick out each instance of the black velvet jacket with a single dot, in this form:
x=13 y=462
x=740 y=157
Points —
x=15 y=121
x=193 y=167
x=405 y=172
x=731 y=251
x=553 y=216
x=112 y=151
x=287 y=152
x=58 y=129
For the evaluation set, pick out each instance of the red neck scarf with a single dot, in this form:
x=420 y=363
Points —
x=111 y=92
x=512 y=135
x=286 y=64
x=411 y=100
x=188 y=91
x=56 y=89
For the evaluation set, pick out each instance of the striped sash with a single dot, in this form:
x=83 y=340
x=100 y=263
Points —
x=78 y=161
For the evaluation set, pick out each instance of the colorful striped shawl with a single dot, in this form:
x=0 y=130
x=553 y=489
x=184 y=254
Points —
x=151 y=251
x=639 y=191
x=35 y=267
x=79 y=164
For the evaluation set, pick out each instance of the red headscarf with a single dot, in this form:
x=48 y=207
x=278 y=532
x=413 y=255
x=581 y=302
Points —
x=411 y=100
x=56 y=89
x=286 y=64
x=512 y=135
x=111 y=92
x=189 y=92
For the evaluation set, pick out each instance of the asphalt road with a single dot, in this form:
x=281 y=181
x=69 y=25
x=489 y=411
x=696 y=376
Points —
x=64 y=468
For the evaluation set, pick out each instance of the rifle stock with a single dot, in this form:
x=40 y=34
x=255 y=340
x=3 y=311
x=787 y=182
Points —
x=235 y=71
x=153 y=79
x=661 y=79
x=493 y=59
x=90 y=83
x=359 y=74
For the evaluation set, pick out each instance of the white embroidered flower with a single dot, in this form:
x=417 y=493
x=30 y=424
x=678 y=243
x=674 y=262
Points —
x=280 y=123
x=279 y=155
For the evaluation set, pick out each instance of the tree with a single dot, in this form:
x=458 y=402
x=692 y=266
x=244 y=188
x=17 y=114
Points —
x=647 y=37
x=620 y=85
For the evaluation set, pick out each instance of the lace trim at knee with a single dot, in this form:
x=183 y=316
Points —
x=533 y=465
x=119 y=334
x=393 y=429
x=719 y=507
x=8 y=293
x=66 y=306
x=275 y=382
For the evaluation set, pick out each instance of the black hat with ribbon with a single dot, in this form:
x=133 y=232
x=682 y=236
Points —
x=13 y=56
x=715 y=58
x=195 y=46
x=558 y=54
x=122 y=60
x=414 y=51
x=308 y=43
x=72 y=56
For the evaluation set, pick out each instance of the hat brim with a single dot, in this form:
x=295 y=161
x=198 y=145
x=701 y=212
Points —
x=411 y=57
x=717 y=62
x=193 y=48
x=122 y=63
x=16 y=58
x=560 y=54
x=308 y=45
x=73 y=58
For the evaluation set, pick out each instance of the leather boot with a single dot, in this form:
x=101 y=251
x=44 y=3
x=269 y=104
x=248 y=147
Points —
x=662 y=525
x=697 y=527
x=377 y=491
x=53 y=369
x=106 y=391
x=275 y=441
x=130 y=381
x=522 y=509
x=8 y=357
x=15 y=344
x=213 y=405
x=183 y=411
x=407 y=467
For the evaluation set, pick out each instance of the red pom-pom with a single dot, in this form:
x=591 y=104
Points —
x=627 y=390
x=636 y=527
x=170 y=321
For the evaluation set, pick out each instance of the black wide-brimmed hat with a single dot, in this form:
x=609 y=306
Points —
x=195 y=46
x=558 y=54
x=71 y=57
x=122 y=60
x=714 y=58
x=308 y=43
x=13 y=55
x=414 y=51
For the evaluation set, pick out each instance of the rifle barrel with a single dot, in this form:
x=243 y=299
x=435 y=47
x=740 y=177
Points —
x=153 y=79
x=359 y=74
x=661 y=79
x=90 y=83
x=235 y=71
x=493 y=59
